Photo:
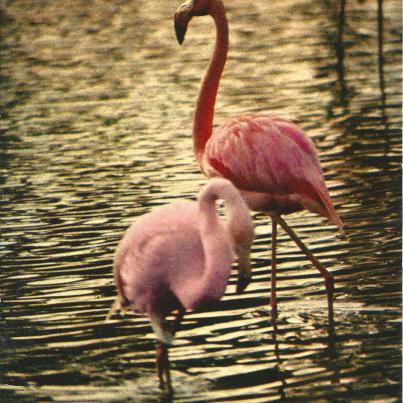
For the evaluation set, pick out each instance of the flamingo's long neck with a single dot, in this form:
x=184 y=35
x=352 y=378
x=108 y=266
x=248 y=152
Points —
x=204 y=113
x=217 y=253
x=217 y=246
x=219 y=239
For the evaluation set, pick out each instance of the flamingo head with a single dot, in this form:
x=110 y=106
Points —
x=244 y=267
x=186 y=12
x=241 y=230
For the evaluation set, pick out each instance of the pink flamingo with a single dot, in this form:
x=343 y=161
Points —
x=269 y=159
x=179 y=257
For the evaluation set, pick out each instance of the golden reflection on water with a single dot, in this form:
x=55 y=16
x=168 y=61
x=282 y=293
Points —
x=97 y=104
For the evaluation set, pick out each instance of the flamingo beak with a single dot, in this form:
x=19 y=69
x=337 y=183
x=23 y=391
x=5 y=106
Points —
x=182 y=18
x=244 y=272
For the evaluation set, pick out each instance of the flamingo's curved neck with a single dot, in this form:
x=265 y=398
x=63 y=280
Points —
x=218 y=248
x=219 y=239
x=217 y=253
x=204 y=113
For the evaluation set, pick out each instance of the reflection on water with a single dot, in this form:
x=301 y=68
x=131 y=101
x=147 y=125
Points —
x=95 y=128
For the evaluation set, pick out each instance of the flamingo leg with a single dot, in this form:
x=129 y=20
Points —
x=177 y=321
x=273 y=297
x=162 y=361
x=162 y=358
x=328 y=277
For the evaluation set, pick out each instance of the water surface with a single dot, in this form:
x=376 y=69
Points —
x=96 y=108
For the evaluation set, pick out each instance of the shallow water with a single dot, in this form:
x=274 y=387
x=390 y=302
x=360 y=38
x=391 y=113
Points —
x=96 y=108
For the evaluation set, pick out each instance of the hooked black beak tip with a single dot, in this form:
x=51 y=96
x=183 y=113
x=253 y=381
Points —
x=182 y=18
x=180 y=32
x=242 y=283
x=181 y=24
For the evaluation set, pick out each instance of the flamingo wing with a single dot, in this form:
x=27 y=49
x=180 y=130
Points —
x=262 y=153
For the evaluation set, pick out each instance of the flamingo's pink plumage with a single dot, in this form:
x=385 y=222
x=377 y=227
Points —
x=271 y=160
x=179 y=257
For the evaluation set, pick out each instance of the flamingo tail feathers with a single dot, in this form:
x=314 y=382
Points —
x=329 y=208
x=116 y=306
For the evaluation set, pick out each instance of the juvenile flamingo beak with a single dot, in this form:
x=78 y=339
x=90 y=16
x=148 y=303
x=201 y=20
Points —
x=181 y=19
x=244 y=272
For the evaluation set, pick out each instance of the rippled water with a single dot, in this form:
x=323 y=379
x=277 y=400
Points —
x=96 y=107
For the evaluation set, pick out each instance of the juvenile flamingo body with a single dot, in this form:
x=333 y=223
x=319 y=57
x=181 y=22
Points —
x=269 y=159
x=179 y=257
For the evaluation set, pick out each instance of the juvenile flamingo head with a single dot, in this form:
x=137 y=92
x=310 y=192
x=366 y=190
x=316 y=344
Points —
x=241 y=231
x=186 y=12
x=244 y=267
x=243 y=235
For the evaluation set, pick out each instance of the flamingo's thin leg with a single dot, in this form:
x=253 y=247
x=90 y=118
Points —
x=162 y=362
x=273 y=298
x=167 y=370
x=158 y=362
x=177 y=321
x=162 y=358
x=328 y=277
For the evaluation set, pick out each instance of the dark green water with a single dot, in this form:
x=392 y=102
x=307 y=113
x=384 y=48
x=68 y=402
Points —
x=95 y=129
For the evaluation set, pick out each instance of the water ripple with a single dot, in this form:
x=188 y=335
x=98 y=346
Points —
x=96 y=130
